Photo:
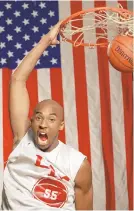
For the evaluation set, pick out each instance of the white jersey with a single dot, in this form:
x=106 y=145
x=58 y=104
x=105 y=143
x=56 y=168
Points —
x=37 y=180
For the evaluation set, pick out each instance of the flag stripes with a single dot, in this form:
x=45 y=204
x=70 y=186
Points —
x=1 y=136
x=67 y=67
x=106 y=130
x=7 y=133
x=94 y=115
x=128 y=126
x=81 y=92
x=43 y=81
x=57 y=92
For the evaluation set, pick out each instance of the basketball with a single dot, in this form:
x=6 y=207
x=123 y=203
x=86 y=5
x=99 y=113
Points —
x=50 y=191
x=120 y=53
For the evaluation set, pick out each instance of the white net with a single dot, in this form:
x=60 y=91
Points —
x=80 y=29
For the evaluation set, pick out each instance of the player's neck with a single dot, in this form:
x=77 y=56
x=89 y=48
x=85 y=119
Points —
x=53 y=146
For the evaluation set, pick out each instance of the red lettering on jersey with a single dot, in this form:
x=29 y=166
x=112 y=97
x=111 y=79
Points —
x=52 y=171
x=38 y=162
x=65 y=178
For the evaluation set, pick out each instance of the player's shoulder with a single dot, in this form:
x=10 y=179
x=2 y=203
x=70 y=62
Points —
x=67 y=147
x=73 y=157
x=72 y=152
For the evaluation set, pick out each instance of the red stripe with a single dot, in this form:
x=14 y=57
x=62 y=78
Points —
x=107 y=144
x=81 y=92
x=57 y=92
x=127 y=86
x=128 y=124
x=7 y=132
x=32 y=88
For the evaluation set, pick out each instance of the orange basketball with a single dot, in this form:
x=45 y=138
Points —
x=120 y=53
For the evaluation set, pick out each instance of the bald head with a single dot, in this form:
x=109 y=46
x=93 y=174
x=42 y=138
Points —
x=56 y=107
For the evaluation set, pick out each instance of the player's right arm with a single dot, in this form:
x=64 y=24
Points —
x=18 y=98
x=18 y=108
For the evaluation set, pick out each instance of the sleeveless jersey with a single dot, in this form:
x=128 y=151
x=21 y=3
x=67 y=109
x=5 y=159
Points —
x=37 y=180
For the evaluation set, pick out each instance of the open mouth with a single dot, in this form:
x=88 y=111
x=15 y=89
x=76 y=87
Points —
x=43 y=136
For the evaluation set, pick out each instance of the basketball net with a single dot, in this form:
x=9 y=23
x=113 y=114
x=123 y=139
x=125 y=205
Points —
x=97 y=26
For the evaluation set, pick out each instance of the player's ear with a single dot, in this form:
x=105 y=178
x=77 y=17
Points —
x=61 y=125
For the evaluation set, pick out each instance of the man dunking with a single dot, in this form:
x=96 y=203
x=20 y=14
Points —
x=42 y=173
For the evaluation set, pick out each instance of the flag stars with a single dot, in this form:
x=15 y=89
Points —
x=26 y=52
x=35 y=43
x=42 y=35
x=38 y=62
x=18 y=45
x=1 y=13
x=17 y=13
x=42 y=5
x=45 y=53
x=25 y=6
x=26 y=37
x=35 y=29
x=50 y=27
x=3 y=61
x=18 y=61
x=2 y=45
x=43 y=20
x=53 y=46
x=53 y=61
x=2 y=29
x=25 y=30
x=10 y=54
x=9 y=21
x=9 y=37
x=34 y=13
x=51 y=13
x=25 y=21
x=8 y=6
x=17 y=29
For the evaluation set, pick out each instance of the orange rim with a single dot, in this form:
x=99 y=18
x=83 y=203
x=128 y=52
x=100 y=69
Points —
x=121 y=11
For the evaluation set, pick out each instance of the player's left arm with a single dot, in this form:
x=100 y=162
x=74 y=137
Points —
x=83 y=188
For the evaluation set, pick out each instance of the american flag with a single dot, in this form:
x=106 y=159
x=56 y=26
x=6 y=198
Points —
x=97 y=99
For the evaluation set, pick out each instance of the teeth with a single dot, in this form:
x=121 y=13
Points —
x=42 y=133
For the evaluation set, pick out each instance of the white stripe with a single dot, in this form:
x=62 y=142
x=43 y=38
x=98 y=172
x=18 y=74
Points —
x=68 y=83
x=118 y=134
x=1 y=136
x=93 y=92
x=44 y=87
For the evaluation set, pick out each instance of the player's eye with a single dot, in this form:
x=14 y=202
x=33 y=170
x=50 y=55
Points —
x=38 y=118
x=52 y=119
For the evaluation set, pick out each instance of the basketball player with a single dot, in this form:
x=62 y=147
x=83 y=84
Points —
x=42 y=173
